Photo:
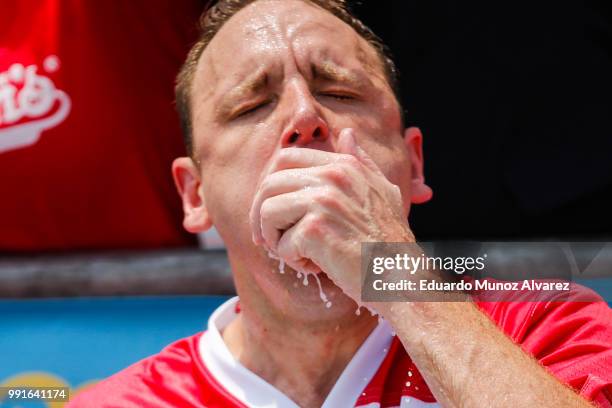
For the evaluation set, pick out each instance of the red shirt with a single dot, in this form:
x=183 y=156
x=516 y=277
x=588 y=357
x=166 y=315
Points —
x=88 y=129
x=573 y=340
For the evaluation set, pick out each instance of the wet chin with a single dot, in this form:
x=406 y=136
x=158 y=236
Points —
x=311 y=301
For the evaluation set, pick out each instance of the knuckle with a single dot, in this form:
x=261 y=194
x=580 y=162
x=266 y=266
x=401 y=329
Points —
x=314 y=226
x=327 y=197
x=283 y=158
x=350 y=160
x=338 y=176
x=265 y=185
x=266 y=211
x=396 y=192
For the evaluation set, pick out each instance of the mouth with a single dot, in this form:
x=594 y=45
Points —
x=309 y=269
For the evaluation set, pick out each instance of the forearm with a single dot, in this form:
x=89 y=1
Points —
x=468 y=362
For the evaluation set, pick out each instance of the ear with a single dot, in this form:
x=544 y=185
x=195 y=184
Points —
x=421 y=192
x=187 y=180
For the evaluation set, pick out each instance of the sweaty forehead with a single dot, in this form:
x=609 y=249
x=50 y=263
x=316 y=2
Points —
x=268 y=30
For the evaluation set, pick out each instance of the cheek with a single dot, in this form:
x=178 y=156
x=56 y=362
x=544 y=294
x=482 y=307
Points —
x=379 y=134
x=393 y=113
x=380 y=119
x=394 y=162
x=401 y=175
x=226 y=200
x=387 y=108
x=391 y=157
x=230 y=176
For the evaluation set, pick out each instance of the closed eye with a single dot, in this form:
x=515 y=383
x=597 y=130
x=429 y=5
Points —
x=250 y=109
x=338 y=96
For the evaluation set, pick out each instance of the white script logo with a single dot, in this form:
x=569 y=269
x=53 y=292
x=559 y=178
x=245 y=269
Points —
x=29 y=104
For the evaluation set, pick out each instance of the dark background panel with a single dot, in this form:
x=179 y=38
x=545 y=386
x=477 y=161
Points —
x=515 y=101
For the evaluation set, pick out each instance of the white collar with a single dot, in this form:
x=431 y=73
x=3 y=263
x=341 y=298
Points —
x=254 y=391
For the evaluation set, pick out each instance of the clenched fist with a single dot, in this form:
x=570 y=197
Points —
x=313 y=209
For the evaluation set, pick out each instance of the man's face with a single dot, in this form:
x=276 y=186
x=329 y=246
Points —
x=285 y=74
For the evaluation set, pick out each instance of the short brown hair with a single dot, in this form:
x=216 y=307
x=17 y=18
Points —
x=213 y=19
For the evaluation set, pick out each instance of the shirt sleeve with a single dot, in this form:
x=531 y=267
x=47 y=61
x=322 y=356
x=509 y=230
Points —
x=572 y=339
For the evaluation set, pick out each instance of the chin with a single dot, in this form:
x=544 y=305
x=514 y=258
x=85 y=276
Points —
x=305 y=301
x=288 y=295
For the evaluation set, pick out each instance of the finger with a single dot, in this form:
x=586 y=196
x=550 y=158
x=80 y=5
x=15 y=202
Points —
x=281 y=212
x=274 y=184
x=294 y=158
x=292 y=248
x=286 y=159
x=347 y=144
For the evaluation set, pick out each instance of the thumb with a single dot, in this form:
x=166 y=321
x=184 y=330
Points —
x=348 y=145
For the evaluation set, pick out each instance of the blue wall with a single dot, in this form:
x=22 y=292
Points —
x=75 y=341
x=71 y=342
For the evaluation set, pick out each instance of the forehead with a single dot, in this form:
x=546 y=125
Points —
x=268 y=31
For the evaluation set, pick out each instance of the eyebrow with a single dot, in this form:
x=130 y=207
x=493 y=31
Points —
x=331 y=72
x=326 y=71
x=252 y=85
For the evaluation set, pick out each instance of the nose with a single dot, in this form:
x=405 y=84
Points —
x=307 y=126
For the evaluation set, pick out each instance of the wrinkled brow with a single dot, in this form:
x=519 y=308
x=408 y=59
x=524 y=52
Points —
x=255 y=83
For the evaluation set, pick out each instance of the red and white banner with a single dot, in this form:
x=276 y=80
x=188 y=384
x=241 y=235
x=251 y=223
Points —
x=87 y=123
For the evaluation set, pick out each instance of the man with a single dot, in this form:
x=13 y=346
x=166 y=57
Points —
x=298 y=151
